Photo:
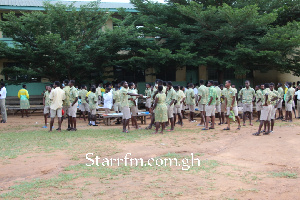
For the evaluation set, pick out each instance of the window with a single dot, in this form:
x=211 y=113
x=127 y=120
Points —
x=167 y=73
x=122 y=73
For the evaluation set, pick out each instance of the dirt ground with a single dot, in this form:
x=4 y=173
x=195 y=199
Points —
x=248 y=167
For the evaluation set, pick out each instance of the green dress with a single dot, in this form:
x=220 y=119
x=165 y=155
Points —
x=24 y=99
x=161 y=110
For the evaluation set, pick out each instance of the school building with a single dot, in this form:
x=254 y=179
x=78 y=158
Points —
x=180 y=76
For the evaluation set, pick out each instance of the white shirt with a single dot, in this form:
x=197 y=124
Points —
x=298 y=95
x=3 y=93
x=57 y=95
x=108 y=100
x=195 y=91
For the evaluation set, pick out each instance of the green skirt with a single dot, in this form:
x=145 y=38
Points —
x=161 y=113
x=24 y=104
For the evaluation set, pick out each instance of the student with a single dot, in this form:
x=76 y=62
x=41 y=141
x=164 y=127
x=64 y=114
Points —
x=24 y=100
x=46 y=103
x=84 y=106
x=66 y=103
x=202 y=101
x=289 y=102
x=2 y=102
x=293 y=102
x=148 y=98
x=92 y=101
x=190 y=101
x=133 y=105
x=161 y=110
x=117 y=101
x=223 y=104
x=57 y=96
x=273 y=97
x=218 y=101
x=298 y=100
x=125 y=105
x=210 y=106
x=108 y=100
x=258 y=100
x=281 y=95
x=178 y=106
x=73 y=106
x=231 y=104
x=99 y=93
x=182 y=92
x=247 y=96
x=170 y=101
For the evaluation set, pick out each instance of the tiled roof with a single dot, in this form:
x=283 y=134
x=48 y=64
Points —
x=39 y=3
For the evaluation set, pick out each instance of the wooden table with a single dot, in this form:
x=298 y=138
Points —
x=107 y=118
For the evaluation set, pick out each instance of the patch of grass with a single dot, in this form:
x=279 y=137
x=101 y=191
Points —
x=14 y=144
x=247 y=190
x=285 y=174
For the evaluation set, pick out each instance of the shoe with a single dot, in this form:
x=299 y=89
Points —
x=193 y=121
x=68 y=129
x=44 y=127
x=73 y=129
x=95 y=125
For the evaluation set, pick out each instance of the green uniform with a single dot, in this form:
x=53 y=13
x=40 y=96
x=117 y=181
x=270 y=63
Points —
x=264 y=100
x=247 y=95
x=82 y=94
x=190 y=96
x=170 y=96
x=280 y=92
x=116 y=96
x=203 y=92
x=212 y=93
x=219 y=93
x=124 y=97
x=131 y=103
x=273 y=94
x=47 y=99
x=161 y=110
x=180 y=95
x=67 y=94
x=93 y=99
x=229 y=95
x=73 y=94
x=289 y=93
x=258 y=95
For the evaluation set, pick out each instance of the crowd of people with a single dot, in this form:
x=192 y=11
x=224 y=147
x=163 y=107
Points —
x=167 y=103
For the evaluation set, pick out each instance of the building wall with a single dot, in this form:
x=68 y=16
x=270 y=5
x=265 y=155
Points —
x=274 y=76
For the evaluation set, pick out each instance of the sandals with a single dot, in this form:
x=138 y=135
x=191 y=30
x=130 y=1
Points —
x=256 y=134
x=226 y=129
x=148 y=128
x=239 y=128
x=204 y=129
x=211 y=128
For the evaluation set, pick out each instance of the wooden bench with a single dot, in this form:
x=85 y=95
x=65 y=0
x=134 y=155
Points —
x=107 y=117
x=13 y=104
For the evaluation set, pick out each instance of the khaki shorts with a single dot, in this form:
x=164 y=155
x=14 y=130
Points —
x=210 y=110
x=247 y=107
x=289 y=107
x=182 y=106
x=258 y=106
x=57 y=112
x=177 y=109
x=265 y=114
x=73 y=110
x=234 y=109
x=280 y=104
x=218 y=108
x=201 y=107
x=126 y=113
x=46 y=109
x=134 y=111
x=170 y=111
x=84 y=107
x=273 y=112
x=66 y=109
x=117 y=107
x=223 y=107
x=93 y=112
x=148 y=103
x=191 y=108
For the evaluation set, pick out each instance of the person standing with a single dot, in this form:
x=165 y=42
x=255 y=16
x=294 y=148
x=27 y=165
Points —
x=2 y=102
x=161 y=110
x=298 y=100
x=73 y=106
x=273 y=97
x=210 y=106
x=108 y=100
x=258 y=100
x=218 y=101
x=46 y=103
x=148 y=97
x=93 y=101
x=24 y=100
x=57 y=96
x=281 y=96
x=66 y=102
x=247 y=96
x=117 y=101
x=125 y=105
x=231 y=104
x=190 y=101
x=289 y=98
x=202 y=101
x=223 y=104
x=170 y=101
x=84 y=106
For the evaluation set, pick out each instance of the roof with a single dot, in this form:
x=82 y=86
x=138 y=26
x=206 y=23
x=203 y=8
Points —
x=38 y=5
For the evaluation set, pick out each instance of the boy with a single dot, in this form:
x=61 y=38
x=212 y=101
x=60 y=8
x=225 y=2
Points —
x=92 y=101
x=46 y=103
x=247 y=96
x=190 y=101
x=210 y=106
x=108 y=100
x=170 y=101
x=84 y=106
x=73 y=106
x=289 y=98
x=66 y=103
x=177 y=108
x=116 y=101
x=218 y=101
x=202 y=101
